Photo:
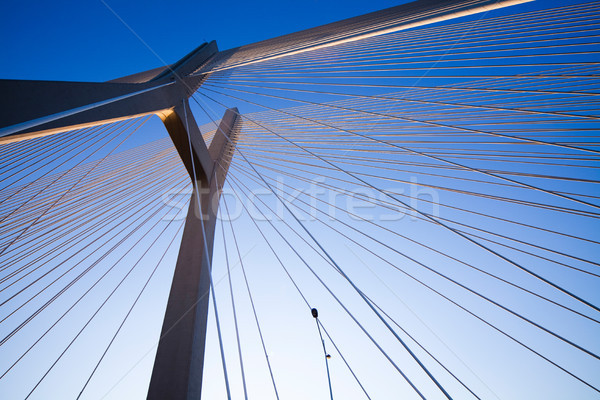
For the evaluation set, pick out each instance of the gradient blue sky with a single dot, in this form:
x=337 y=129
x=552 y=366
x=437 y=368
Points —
x=83 y=40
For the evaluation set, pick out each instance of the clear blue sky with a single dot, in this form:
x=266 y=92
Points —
x=83 y=40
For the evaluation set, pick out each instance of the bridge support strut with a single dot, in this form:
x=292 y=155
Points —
x=177 y=372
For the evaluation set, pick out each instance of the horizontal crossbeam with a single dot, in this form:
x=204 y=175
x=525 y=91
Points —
x=39 y=108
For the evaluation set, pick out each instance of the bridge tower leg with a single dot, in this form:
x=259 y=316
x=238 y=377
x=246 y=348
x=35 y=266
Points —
x=177 y=372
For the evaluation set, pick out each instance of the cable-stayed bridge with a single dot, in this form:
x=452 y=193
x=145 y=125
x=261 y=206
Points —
x=424 y=176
